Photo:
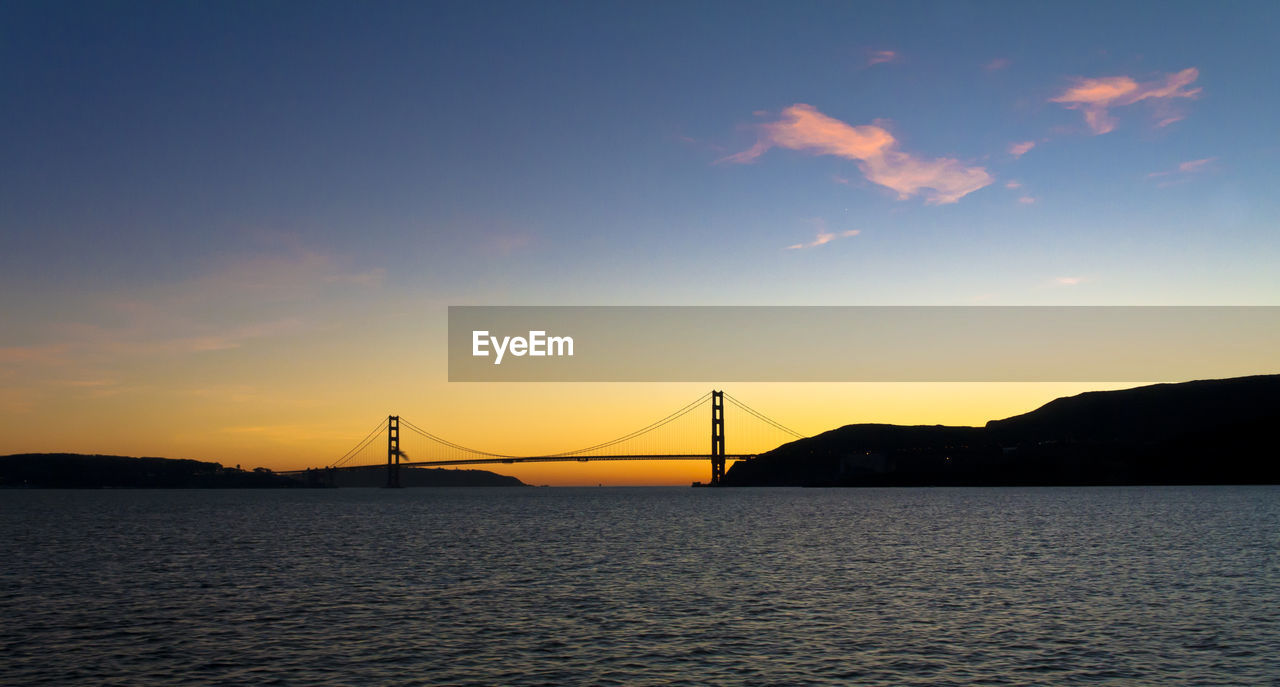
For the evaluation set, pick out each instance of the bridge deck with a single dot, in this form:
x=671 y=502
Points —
x=570 y=459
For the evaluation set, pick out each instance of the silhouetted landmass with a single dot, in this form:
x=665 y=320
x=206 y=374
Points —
x=1204 y=432
x=76 y=471
x=376 y=476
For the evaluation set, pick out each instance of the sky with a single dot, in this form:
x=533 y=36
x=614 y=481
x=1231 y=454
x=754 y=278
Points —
x=230 y=230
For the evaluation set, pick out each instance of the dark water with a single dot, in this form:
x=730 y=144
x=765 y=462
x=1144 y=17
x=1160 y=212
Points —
x=641 y=586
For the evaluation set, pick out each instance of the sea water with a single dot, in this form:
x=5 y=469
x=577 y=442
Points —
x=633 y=586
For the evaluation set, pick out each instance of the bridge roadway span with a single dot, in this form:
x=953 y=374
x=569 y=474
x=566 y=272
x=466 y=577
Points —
x=570 y=459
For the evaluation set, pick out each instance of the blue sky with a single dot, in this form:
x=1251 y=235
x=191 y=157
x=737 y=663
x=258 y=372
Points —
x=536 y=140
x=180 y=178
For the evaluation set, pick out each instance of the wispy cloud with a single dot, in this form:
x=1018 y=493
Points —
x=996 y=64
x=92 y=388
x=284 y=433
x=881 y=57
x=87 y=383
x=45 y=354
x=241 y=301
x=1068 y=281
x=1013 y=184
x=172 y=334
x=1183 y=171
x=265 y=277
x=1095 y=97
x=699 y=144
x=802 y=127
x=1020 y=149
x=824 y=237
x=1027 y=200
x=1188 y=167
x=1195 y=165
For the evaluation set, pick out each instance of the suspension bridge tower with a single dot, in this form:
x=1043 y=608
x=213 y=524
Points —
x=717 y=438
x=393 y=451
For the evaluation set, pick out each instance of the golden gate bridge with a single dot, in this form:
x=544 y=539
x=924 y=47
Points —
x=673 y=437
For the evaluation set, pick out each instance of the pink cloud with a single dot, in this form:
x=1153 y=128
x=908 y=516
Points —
x=1096 y=97
x=824 y=237
x=881 y=57
x=1180 y=172
x=802 y=127
x=1187 y=167
x=1013 y=184
x=1020 y=149
x=1194 y=165
x=697 y=144
x=996 y=64
x=1027 y=200
x=1068 y=281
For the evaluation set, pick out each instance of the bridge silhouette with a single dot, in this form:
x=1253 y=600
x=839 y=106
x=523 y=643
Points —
x=670 y=438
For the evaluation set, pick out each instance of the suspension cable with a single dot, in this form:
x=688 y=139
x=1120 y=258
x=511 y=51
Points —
x=648 y=428
x=450 y=444
x=764 y=418
x=360 y=445
x=612 y=442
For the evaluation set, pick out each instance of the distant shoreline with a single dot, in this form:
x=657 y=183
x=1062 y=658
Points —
x=95 y=471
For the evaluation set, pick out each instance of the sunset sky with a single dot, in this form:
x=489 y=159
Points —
x=230 y=230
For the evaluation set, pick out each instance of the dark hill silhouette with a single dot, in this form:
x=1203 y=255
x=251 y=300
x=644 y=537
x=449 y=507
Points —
x=1202 y=432
x=1146 y=412
x=376 y=476
x=77 y=471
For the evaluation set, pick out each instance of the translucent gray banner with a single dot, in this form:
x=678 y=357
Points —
x=860 y=344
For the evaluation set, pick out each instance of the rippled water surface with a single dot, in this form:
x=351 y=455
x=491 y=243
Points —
x=641 y=586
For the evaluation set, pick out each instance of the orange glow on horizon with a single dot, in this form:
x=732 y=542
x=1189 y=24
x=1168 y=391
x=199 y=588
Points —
x=315 y=427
